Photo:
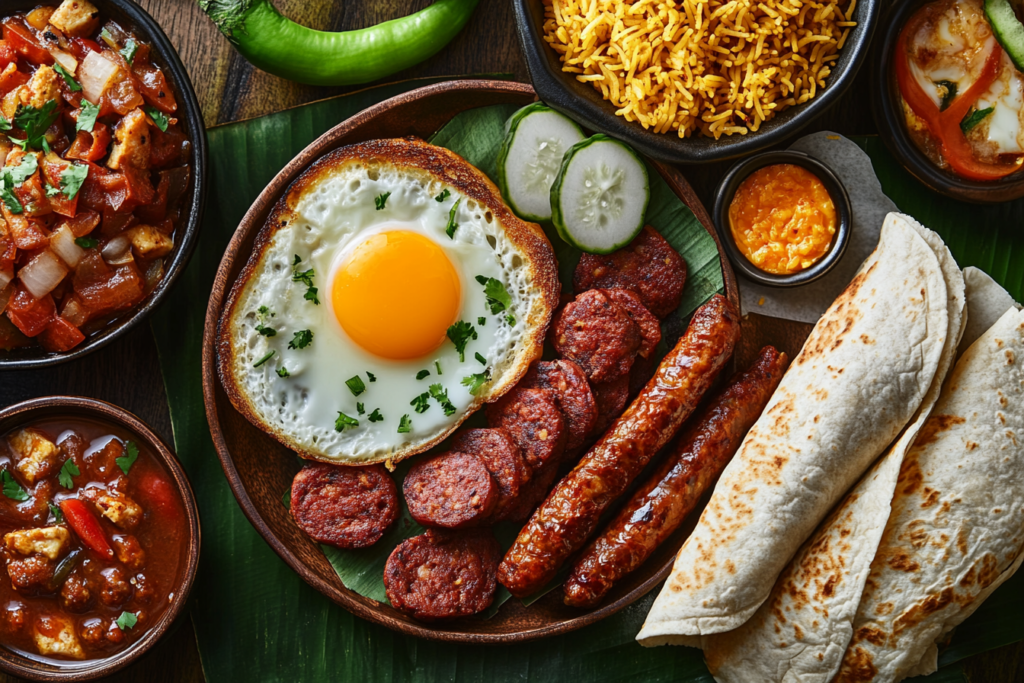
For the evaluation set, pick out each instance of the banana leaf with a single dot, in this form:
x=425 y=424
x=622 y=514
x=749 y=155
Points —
x=255 y=620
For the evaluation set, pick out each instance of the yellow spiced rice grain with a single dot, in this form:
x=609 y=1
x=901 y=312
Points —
x=713 y=66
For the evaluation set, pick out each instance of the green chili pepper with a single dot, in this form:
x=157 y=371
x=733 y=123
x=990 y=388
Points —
x=279 y=46
x=63 y=570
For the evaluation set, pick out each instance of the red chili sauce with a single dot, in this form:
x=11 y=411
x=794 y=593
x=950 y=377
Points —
x=92 y=553
x=93 y=166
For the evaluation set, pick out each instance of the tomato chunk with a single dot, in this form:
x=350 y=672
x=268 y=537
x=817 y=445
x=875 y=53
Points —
x=29 y=314
x=7 y=54
x=10 y=336
x=90 y=146
x=160 y=494
x=11 y=78
x=85 y=525
x=83 y=222
x=154 y=87
x=119 y=288
x=23 y=39
x=60 y=335
x=28 y=233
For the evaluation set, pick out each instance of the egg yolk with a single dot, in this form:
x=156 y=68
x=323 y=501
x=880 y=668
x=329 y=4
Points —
x=396 y=295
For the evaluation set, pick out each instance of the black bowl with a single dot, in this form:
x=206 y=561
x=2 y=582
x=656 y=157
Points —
x=584 y=103
x=888 y=111
x=727 y=189
x=130 y=15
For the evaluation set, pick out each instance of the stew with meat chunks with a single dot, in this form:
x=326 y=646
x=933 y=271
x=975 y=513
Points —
x=93 y=165
x=94 y=537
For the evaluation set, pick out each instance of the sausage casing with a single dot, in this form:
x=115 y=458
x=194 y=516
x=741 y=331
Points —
x=571 y=511
x=661 y=505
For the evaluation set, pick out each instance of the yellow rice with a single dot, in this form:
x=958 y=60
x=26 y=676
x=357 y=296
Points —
x=714 y=66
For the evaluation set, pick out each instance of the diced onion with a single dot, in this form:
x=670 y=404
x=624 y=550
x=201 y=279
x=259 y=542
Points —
x=96 y=75
x=6 y=276
x=65 y=59
x=5 y=296
x=63 y=244
x=115 y=250
x=74 y=312
x=42 y=274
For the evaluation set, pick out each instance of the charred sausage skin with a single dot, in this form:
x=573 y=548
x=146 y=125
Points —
x=660 y=506
x=570 y=513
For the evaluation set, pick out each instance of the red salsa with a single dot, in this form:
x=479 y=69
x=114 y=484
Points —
x=93 y=166
x=94 y=538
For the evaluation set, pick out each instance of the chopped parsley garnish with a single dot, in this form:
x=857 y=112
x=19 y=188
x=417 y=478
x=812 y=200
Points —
x=437 y=364
x=5 y=123
x=355 y=385
x=477 y=381
x=67 y=470
x=461 y=333
x=360 y=408
x=344 y=422
x=7 y=194
x=58 y=514
x=301 y=340
x=51 y=191
x=372 y=377
x=440 y=394
x=375 y=416
x=25 y=169
x=498 y=298
x=443 y=196
x=481 y=321
x=973 y=118
x=452 y=225
x=263 y=329
x=125 y=462
x=87 y=116
x=127 y=620
x=511 y=320
x=404 y=425
x=35 y=121
x=421 y=402
x=306 y=278
x=265 y=358
x=283 y=372
x=422 y=373
x=483 y=361
x=86 y=242
x=12 y=489
x=74 y=85
x=380 y=200
x=71 y=179
x=159 y=118
x=947 y=92
x=129 y=50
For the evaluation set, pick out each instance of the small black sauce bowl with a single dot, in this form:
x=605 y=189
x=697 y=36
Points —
x=887 y=107
x=727 y=189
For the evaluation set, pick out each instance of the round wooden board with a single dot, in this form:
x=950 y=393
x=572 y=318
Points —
x=259 y=469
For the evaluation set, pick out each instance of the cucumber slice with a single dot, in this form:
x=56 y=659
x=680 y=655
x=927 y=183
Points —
x=536 y=137
x=1008 y=29
x=600 y=195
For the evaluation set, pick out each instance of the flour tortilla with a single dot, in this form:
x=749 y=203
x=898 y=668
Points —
x=801 y=632
x=987 y=301
x=860 y=377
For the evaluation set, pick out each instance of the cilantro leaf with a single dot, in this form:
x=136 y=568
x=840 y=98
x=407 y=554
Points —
x=498 y=298
x=476 y=382
x=461 y=333
x=283 y=372
x=443 y=196
x=35 y=121
x=422 y=373
x=67 y=470
x=159 y=118
x=5 y=123
x=372 y=377
x=51 y=191
x=404 y=425
x=86 y=242
x=483 y=361
x=306 y=278
x=263 y=360
x=973 y=118
x=355 y=385
x=452 y=225
x=68 y=78
x=12 y=489
x=87 y=116
x=344 y=422
x=360 y=408
x=71 y=179
x=129 y=50
x=375 y=416
x=58 y=515
x=440 y=394
x=421 y=403
x=127 y=620
x=511 y=320
x=301 y=340
x=266 y=331
x=481 y=321
x=8 y=196
x=125 y=462
x=437 y=364
x=25 y=169
x=947 y=93
x=380 y=200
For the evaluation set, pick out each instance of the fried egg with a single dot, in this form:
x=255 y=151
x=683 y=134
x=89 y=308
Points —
x=389 y=296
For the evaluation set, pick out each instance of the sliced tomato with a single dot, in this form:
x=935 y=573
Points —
x=140 y=188
x=60 y=336
x=83 y=222
x=29 y=314
x=103 y=189
x=154 y=88
x=122 y=289
x=25 y=41
x=28 y=233
x=90 y=146
x=7 y=54
x=11 y=78
x=32 y=196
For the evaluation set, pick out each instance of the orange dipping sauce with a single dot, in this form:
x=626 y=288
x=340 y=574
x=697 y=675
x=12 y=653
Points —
x=782 y=219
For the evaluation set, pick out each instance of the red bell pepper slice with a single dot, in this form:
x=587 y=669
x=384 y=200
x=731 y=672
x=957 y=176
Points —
x=24 y=40
x=29 y=314
x=60 y=336
x=86 y=526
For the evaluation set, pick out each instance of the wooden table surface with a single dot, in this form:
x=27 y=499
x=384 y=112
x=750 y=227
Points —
x=229 y=89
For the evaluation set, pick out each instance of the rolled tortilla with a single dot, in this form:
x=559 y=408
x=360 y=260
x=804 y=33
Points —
x=860 y=377
x=986 y=303
x=801 y=632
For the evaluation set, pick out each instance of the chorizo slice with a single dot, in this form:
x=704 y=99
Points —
x=567 y=381
x=347 y=507
x=502 y=458
x=450 y=490
x=534 y=420
x=650 y=327
x=597 y=334
x=611 y=398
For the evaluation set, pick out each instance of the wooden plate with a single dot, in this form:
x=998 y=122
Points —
x=259 y=469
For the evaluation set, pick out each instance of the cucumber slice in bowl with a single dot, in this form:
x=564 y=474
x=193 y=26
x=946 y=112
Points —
x=1008 y=29
x=536 y=137
x=599 y=197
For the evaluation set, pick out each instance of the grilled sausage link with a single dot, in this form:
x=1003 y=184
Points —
x=570 y=513
x=659 y=507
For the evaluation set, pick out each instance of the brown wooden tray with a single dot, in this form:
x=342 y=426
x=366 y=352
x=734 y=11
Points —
x=259 y=469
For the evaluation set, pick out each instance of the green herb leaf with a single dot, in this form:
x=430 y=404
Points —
x=51 y=191
x=481 y=321
x=74 y=85
x=443 y=196
x=12 y=489
x=380 y=200
x=87 y=116
x=266 y=331
x=301 y=340
x=5 y=123
x=35 y=121
x=7 y=194
x=86 y=242
x=360 y=408
x=127 y=620
x=370 y=376
x=129 y=50
x=477 y=381
x=452 y=225
x=306 y=278
x=344 y=422
x=440 y=394
x=23 y=144
x=265 y=358
x=71 y=179
x=283 y=372
x=404 y=425
x=422 y=373
x=58 y=514
x=375 y=416
x=973 y=118
x=498 y=298
x=437 y=364
x=511 y=320
x=947 y=93
x=483 y=361
x=107 y=38
x=26 y=168
x=355 y=385
x=159 y=118
x=461 y=333
x=421 y=403
x=125 y=462
x=67 y=470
